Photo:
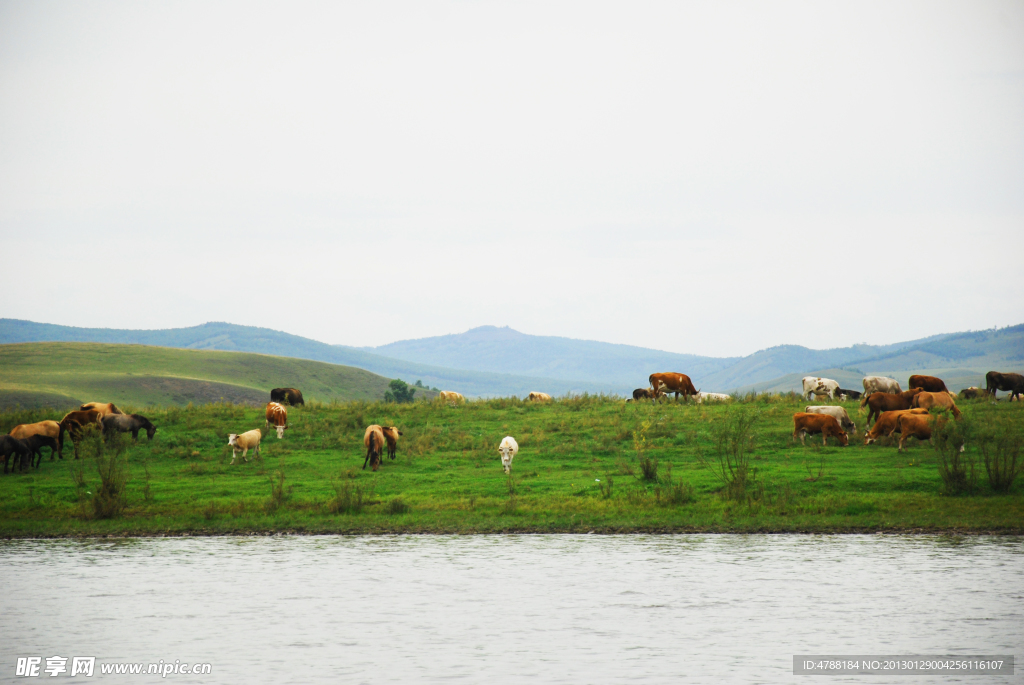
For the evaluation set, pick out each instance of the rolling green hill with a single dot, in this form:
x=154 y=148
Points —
x=63 y=375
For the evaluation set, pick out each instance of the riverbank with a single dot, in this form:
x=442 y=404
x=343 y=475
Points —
x=580 y=468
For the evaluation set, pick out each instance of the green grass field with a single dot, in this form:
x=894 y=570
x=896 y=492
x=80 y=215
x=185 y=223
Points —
x=573 y=473
x=64 y=375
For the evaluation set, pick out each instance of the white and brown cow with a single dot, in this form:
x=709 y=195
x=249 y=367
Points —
x=508 y=450
x=813 y=385
x=277 y=416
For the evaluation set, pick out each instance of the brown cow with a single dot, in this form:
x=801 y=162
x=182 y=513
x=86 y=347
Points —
x=878 y=402
x=1010 y=382
x=928 y=383
x=672 y=382
x=391 y=434
x=104 y=408
x=292 y=396
x=804 y=423
x=373 y=440
x=49 y=429
x=885 y=423
x=913 y=425
x=277 y=416
x=944 y=400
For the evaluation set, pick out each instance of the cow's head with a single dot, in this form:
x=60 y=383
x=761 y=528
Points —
x=233 y=439
x=280 y=431
x=844 y=440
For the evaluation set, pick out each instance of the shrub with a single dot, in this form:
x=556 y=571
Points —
x=348 y=498
x=111 y=457
x=279 y=494
x=648 y=465
x=956 y=466
x=1001 y=454
x=606 y=487
x=398 y=506
x=729 y=461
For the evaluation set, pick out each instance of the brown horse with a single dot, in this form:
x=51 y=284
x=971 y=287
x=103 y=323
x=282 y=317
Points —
x=49 y=429
x=74 y=422
x=373 y=439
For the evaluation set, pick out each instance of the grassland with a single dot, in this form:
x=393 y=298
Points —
x=63 y=375
x=577 y=471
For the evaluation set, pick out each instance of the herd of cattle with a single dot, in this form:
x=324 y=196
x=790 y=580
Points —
x=892 y=409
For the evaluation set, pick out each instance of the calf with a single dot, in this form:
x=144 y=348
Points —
x=878 y=402
x=943 y=400
x=391 y=434
x=277 y=416
x=245 y=442
x=712 y=397
x=508 y=450
x=373 y=440
x=804 y=423
x=886 y=422
x=839 y=413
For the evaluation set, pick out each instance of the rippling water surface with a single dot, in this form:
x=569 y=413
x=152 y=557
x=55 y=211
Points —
x=549 y=608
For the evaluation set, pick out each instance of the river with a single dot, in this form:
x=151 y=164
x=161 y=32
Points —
x=508 y=608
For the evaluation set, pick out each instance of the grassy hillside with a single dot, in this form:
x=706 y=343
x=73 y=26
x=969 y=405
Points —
x=577 y=470
x=230 y=337
x=66 y=374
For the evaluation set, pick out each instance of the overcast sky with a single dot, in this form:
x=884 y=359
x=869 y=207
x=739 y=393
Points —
x=705 y=177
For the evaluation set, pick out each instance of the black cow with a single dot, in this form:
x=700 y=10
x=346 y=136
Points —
x=850 y=394
x=1010 y=382
x=292 y=396
x=19 y=449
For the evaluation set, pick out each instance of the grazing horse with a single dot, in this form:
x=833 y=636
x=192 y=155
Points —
x=391 y=434
x=124 y=423
x=36 y=443
x=19 y=449
x=292 y=396
x=672 y=382
x=373 y=440
x=50 y=429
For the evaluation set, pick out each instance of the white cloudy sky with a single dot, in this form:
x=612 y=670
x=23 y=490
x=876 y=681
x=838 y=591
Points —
x=705 y=177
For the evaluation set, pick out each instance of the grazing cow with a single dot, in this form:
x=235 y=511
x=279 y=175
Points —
x=292 y=396
x=885 y=423
x=73 y=423
x=874 y=384
x=914 y=425
x=851 y=394
x=943 y=400
x=373 y=440
x=128 y=423
x=50 y=429
x=245 y=442
x=643 y=394
x=508 y=450
x=451 y=397
x=18 y=450
x=538 y=397
x=104 y=408
x=928 y=383
x=391 y=434
x=672 y=382
x=878 y=402
x=839 y=413
x=819 y=386
x=818 y=423
x=1012 y=383
x=973 y=393
x=712 y=397
x=277 y=416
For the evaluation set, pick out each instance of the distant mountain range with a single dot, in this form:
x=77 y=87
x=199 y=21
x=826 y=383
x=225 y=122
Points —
x=500 y=361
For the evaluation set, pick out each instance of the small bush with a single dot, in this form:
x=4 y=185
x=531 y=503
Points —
x=348 y=498
x=730 y=458
x=279 y=494
x=606 y=487
x=956 y=467
x=109 y=500
x=648 y=465
x=1001 y=454
x=398 y=506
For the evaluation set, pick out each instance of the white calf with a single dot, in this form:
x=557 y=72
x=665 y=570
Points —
x=712 y=397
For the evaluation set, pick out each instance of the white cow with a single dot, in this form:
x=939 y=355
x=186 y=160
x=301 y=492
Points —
x=820 y=386
x=539 y=397
x=712 y=397
x=838 y=413
x=245 y=442
x=508 y=450
x=881 y=384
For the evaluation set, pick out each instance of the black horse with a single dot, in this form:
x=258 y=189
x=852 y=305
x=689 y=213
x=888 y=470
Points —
x=19 y=449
